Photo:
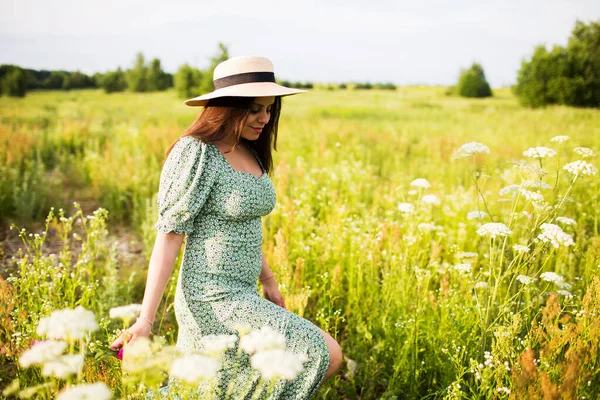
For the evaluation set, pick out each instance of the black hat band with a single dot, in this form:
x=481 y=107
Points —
x=247 y=77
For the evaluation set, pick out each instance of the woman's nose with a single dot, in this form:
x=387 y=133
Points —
x=263 y=117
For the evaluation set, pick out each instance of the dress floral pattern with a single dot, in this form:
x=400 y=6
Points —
x=219 y=209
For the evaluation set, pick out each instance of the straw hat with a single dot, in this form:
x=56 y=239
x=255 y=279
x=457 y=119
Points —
x=247 y=76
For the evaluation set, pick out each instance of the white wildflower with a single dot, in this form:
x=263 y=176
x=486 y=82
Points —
x=584 y=152
x=559 y=139
x=565 y=293
x=431 y=199
x=554 y=234
x=90 y=391
x=412 y=192
x=278 y=364
x=519 y=248
x=463 y=268
x=535 y=184
x=421 y=183
x=470 y=149
x=42 y=352
x=194 y=368
x=63 y=366
x=564 y=285
x=351 y=364
x=265 y=338
x=524 y=279
x=510 y=189
x=494 y=229
x=566 y=221
x=426 y=226
x=503 y=390
x=476 y=215
x=215 y=345
x=532 y=196
x=128 y=312
x=539 y=152
x=580 y=167
x=551 y=277
x=481 y=285
x=406 y=208
x=466 y=254
x=68 y=324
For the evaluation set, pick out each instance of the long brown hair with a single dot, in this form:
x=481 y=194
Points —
x=225 y=117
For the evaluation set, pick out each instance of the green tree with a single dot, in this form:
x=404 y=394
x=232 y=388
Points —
x=114 y=81
x=206 y=82
x=55 y=81
x=137 y=77
x=472 y=83
x=187 y=80
x=157 y=78
x=14 y=82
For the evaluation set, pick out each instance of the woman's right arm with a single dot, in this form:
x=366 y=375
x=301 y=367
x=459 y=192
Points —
x=162 y=261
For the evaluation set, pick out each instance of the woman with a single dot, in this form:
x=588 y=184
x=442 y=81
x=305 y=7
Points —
x=214 y=189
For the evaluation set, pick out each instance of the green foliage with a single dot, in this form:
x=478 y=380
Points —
x=114 y=81
x=13 y=82
x=206 y=80
x=137 y=77
x=157 y=78
x=187 y=80
x=472 y=83
x=568 y=76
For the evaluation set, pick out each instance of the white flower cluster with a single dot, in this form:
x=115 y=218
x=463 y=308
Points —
x=585 y=152
x=493 y=230
x=580 y=167
x=215 y=345
x=524 y=279
x=128 y=312
x=519 y=248
x=554 y=234
x=551 y=277
x=406 y=208
x=532 y=196
x=194 y=368
x=559 y=139
x=431 y=199
x=63 y=366
x=470 y=149
x=42 y=352
x=278 y=363
x=481 y=285
x=421 y=183
x=68 y=324
x=90 y=391
x=463 y=268
x=539 y=152
x=476 y=215
x=262 y=339
x=535 y=184
x=510 y=189
x=426 y=226
x=566 y=221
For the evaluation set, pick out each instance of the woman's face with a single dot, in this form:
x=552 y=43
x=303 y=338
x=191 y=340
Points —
x=258 y=117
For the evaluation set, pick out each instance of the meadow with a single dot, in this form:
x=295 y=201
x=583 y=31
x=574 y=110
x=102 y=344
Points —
x=443 y=270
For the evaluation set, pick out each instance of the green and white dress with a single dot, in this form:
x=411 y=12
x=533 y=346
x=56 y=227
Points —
x=219 y=209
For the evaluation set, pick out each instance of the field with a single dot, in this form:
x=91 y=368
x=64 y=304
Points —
x=426 y=300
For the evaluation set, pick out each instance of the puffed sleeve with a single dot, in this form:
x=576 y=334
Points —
x=185 y=183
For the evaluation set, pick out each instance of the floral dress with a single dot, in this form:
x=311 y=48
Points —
x=219 y=209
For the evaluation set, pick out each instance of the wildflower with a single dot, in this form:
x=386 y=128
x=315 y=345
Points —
x=68 y=324
x=262 y=339
x=42 y=352
x=466 y=254
x=351 y=364
x=481 y=285
x=126 y=312
x=536 y=184
x=580 y=167
x=421 y=183
x=503 y=390
x=426 y=226
x=406 y=208
x=215 y=345
x=559 y=139
x=519 y=248
x=510 y=189
x=493 y=229
x=194 y=368
x=524 y=279
x=565 y=293
x=584 y=152
x=551 y=277
x=63 y=366
x=476 y=215
x=90 y=391
x=539 y=152
x=532 y=196
x=463 y=268
x=555 y=235
x=470 y=149
x=566 y=221
x=278 y=364
x=431 y=199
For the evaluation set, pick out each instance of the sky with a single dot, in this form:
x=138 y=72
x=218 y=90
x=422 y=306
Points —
x=404 y=42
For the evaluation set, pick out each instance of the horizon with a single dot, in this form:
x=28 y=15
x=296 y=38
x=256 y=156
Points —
x=408 y=44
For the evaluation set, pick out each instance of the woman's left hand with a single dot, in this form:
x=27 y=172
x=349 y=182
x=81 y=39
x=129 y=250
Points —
x=272 y=293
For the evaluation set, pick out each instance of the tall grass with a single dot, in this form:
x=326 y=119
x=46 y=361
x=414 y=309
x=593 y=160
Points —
x=423 y=305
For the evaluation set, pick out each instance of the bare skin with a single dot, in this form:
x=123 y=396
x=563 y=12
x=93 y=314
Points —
x=166 y=247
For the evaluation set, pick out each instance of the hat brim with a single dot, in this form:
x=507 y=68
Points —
x=254 y=89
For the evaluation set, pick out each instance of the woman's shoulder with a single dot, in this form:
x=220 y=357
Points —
x=189 y=146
